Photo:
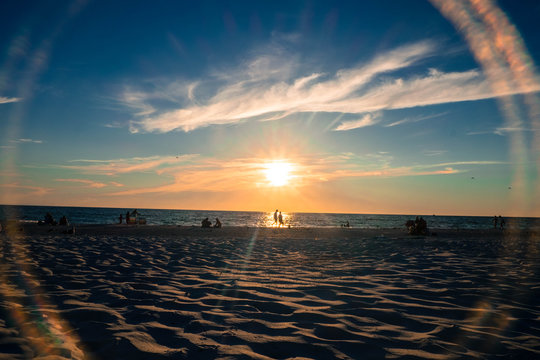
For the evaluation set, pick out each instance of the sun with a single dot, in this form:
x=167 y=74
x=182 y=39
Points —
x=278 y=173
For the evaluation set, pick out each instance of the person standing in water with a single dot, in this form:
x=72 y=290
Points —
x=280 y=219
x=275 y=217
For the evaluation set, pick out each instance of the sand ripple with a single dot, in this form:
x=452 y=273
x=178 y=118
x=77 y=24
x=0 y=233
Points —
x=267 y=296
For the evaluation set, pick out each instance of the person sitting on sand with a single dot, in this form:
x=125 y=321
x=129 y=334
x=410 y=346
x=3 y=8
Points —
x=206 y=223
x=410 y=226
x=417 y=227
x=63 y=221
x=422 y=226
x=49 y=219
x=217 y=224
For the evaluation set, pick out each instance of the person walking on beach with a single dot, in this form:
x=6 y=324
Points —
x=495 y=222
x=280 y=219
x=502 y=222
x=120 y=219
x=275 y=217
x=127 y=217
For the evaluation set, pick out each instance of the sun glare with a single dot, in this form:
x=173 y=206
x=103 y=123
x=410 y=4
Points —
x=278 y=173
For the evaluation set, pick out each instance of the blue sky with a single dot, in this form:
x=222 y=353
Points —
x=375 y=107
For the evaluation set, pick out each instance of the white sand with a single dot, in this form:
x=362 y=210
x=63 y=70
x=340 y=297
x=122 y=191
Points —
x=152 y=292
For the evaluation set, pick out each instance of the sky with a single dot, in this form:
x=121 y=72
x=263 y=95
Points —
x=382 y=107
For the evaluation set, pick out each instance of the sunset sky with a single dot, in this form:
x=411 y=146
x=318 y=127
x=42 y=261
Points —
x=395 y=107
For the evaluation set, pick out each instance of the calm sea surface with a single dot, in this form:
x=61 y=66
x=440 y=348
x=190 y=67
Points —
x=87 y=215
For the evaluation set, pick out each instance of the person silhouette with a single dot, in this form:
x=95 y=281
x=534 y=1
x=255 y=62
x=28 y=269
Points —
x=275 y=217
x=280 y=219
x=206 y=223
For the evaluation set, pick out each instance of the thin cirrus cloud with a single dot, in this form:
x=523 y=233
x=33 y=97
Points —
x=208 y=174
x=503 y=131
x=89 y=183
x=192 y=172
x=28 y=141
x=267 y=90
x=366 y=120
x=416 y=119
x=115 y=167
x=18 y=188
x=7 y=100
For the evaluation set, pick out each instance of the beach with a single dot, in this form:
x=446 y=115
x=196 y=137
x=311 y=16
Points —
x=181 y=292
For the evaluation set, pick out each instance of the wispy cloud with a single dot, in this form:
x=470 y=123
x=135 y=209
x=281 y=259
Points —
x=7 y=100
x=503 y=131
x=461 y=163
x=31 y=141
x=415 y=119
x=91 y=183
x=434 y=152
x=127 y=165
x=267 y=88
x=26 y=189
x=366 y=120
x=211 y=175
x=195 y=173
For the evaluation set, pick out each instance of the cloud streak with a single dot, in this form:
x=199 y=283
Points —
x=25 y=189
x=210 y=175
x=124 y=166
x=90 y=183
x=28 y=141
x=267 y=90
x=366 y=120
x=7 y=100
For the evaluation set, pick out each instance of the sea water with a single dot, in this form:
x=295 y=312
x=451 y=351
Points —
x=92 y=215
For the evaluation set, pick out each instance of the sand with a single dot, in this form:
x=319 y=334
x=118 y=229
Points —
x=155 y=292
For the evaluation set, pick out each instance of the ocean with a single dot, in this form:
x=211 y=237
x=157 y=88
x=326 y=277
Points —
x=92 y=215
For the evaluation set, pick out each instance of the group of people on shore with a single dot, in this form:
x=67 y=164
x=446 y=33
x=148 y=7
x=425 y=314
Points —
x=208 y=224
x=498 y=220
x=417 y=226
x=49 y=220
x=63 y=221
x=131 y=218
x=278 y=219
x=346 y=224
